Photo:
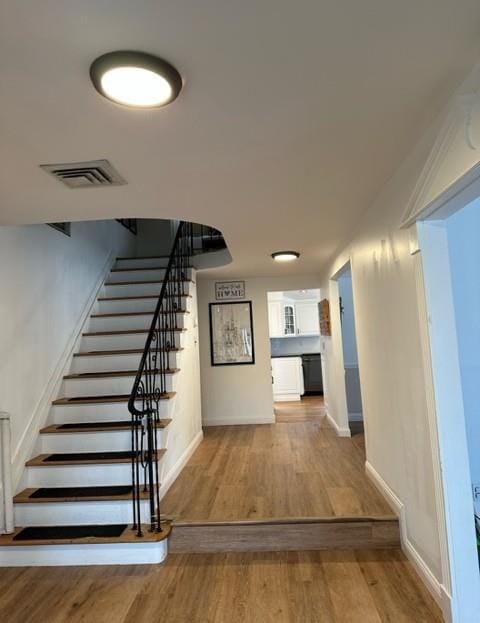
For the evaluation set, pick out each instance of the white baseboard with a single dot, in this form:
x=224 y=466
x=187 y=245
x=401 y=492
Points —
x=286 y=397
x=27 y=441
x=341 y=432
x=436 y=589
x=238 y=421
x=169 y=479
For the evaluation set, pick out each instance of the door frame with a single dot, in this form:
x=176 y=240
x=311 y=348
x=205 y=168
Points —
x=445 y=407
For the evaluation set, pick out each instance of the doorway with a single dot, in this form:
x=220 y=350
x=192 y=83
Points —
x=349 y=353
x=294 y=331
x=450 y=263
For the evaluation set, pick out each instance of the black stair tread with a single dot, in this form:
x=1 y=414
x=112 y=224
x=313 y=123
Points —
x=92 y=534
x=70 y=532
x=114 y=373
x=87 y=400
x=87 y=427
x=125 y=351
x=131 y=331
x=77 y=494
x=83 y=458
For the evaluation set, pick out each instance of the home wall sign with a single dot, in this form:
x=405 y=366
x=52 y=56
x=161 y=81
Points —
x=229 y=290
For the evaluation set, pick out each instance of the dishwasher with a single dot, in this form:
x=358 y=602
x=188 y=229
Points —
x=312 y=374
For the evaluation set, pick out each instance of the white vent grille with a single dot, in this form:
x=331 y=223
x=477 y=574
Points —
x=91 y=174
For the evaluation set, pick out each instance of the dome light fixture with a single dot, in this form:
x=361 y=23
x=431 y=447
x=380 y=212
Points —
x=285 y=256
x=135 y=79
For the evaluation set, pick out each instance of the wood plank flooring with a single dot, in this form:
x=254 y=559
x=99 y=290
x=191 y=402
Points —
x=289 y=469
x=282 y=587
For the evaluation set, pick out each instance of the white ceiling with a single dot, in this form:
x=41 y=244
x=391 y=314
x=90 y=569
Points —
x=292 y=117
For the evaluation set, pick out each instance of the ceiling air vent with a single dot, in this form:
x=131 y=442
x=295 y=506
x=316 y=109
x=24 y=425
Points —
x=91 y=174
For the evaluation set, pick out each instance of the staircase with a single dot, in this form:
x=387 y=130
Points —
x=77 y=506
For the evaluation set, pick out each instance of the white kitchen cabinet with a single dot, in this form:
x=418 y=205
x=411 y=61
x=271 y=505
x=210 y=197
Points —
x=306 y=314
x=275 y=318
x=287 y=377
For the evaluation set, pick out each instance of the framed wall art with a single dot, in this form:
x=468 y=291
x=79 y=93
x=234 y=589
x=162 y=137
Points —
x=231 y=333
x=229 y=290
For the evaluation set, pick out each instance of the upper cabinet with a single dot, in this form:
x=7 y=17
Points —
x=289 y=318
x=306 y=313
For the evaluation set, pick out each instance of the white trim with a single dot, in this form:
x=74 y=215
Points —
x=287 y=397
x=6 y=497
x=39 y=416
x=238 y=421
x=169 y=479
x=341 y=432
x=436 y=589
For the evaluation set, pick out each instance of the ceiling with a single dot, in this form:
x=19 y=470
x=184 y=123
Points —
x=292 y=117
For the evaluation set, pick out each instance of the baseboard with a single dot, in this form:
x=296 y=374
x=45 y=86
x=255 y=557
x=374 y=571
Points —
x=436 y=589
x=169 y=479
x=287 y=397
x=341 y=432
x=39 y=416
x=238 y=421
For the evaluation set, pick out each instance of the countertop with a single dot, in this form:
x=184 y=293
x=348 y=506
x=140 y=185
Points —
x=298 y=355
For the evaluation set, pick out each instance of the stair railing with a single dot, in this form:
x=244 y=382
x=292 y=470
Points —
x=150 y=385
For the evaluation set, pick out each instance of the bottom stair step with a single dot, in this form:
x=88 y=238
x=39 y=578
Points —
x=43 y=533
x=110 y=544
x=85 y=534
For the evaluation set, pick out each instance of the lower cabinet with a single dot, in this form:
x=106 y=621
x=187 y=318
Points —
x=287 y=376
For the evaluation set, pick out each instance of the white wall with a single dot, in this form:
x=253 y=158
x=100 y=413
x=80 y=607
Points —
x=241 y=394
x=46 y=281
x=390 y=357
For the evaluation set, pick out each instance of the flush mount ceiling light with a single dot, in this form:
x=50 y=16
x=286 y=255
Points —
x=285 y=256
x=135 y=79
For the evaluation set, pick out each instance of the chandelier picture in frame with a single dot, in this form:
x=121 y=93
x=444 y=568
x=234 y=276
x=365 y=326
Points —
x=231 y=333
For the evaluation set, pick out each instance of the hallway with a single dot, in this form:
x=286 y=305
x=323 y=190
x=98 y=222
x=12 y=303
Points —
x=295 y=468
x=281 y=587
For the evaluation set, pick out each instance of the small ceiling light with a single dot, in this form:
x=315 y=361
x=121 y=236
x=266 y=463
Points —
x=135 y=79
x=285 y=256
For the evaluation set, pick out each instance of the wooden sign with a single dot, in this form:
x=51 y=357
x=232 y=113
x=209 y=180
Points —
x=229 y=290
x=324 y=312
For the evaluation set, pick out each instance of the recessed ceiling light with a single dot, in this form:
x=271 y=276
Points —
x=285 y=256
x=135 y=79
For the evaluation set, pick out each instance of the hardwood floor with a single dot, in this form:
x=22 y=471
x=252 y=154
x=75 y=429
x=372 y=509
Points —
x=305 y=410
x=282 y=587
x=289 y=469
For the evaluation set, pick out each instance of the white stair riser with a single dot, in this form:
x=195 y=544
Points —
x=94 y=554
x=137 y=275
x=109 y=363
x=129 y=323
x=133 y=305
x=81 y=475
x=63 y=414
x=119 y=342
x=142 y=262
x=140 y=289
x=107 y=386
x=141 y=275
x=78 y=513
x=111 y=441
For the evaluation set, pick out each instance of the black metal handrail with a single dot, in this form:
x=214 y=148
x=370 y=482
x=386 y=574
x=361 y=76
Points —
x=150 y=385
